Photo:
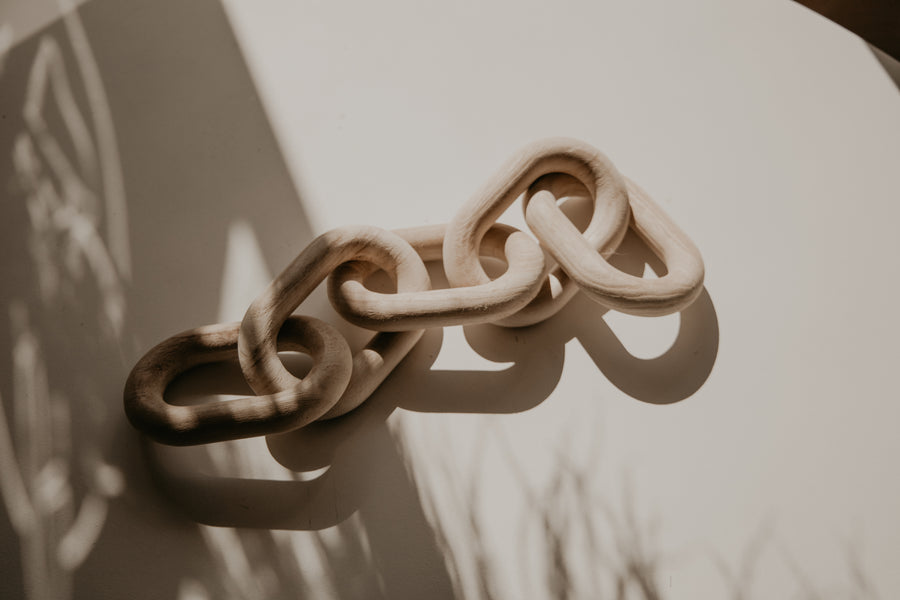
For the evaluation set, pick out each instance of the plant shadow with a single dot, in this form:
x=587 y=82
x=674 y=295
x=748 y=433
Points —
x=137 y=161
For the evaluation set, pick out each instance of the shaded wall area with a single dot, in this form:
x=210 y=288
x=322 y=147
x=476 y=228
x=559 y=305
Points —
x=132 y=139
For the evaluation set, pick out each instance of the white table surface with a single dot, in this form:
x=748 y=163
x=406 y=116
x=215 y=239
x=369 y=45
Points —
x=745 y=449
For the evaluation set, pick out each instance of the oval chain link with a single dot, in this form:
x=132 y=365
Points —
x=608 y=225
x=469 y=305
x=217 y=421
x=534 y=287
x=256 y=351
x=601 y=281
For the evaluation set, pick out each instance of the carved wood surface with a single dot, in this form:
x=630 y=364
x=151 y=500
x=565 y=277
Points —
x=533 y=287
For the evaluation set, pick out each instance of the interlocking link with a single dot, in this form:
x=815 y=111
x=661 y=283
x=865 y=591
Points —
x=534 y=286
x=608 y=225
x=285 y=410
x=558 y=288
x=256 y=351
x=468 y=305
x=601 y=281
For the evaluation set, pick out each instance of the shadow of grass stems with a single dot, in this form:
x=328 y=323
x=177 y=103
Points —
x=590 y=547
x=587 y=548
x=742 y=580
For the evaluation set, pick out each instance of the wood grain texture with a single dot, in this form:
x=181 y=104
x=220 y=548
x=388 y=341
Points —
x=256 y=349
x=608 y=225
x=557 y=287
x=604 y=283
x=307 y=400
x=533 y=287
x=487 y=302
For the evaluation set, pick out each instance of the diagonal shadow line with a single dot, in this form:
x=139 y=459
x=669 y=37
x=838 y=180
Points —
x=890 y=64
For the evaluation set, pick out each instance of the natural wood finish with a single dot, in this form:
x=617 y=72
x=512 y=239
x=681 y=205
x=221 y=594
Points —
x=284 y=410
x=256 y=349
x=608 y=225
x=491 y=301
x=532 y=288
x=604 y=283
x=557 y=288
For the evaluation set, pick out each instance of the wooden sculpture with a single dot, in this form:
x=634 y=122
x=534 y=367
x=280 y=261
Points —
x=530 y=290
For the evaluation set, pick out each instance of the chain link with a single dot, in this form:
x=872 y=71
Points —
x=486 y=302
x=601 y=281
x=534 y=287
x=289 y=409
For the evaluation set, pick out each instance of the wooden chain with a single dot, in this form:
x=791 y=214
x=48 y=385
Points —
x=533 y=288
